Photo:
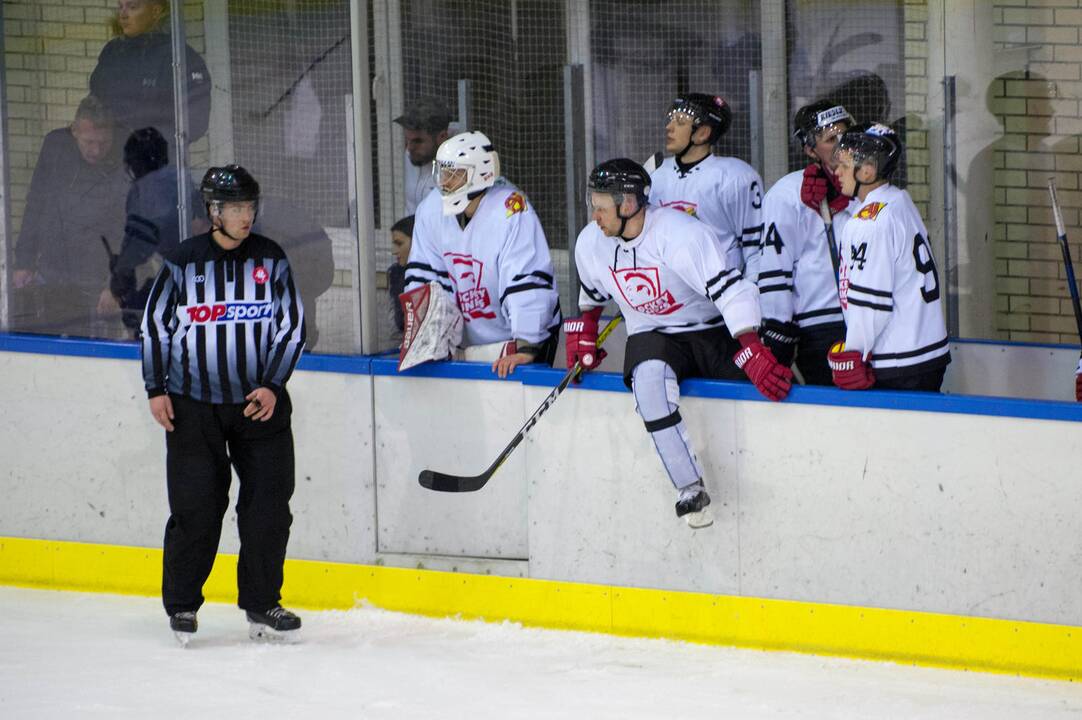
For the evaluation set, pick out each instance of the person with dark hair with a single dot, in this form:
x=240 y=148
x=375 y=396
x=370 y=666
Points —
x=222 y=333
x=797 y=275
x=689 y=313
x=401 y=242
x=134 y=74
x=425 y=125
x=76 y=197
x=723 y=192
x=889 y=288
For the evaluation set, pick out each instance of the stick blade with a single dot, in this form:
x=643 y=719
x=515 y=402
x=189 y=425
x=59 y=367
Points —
x=442 y=482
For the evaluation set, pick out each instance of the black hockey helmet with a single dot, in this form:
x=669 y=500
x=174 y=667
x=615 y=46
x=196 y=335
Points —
x=230 y=183
x=145 y=151
x=703 y=109
x=872 y=143
x=618 y=177
x=812 y=119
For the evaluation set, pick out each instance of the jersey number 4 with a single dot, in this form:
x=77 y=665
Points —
x=926 y=266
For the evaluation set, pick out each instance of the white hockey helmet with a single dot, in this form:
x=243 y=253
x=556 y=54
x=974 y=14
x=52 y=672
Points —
x=465 y=165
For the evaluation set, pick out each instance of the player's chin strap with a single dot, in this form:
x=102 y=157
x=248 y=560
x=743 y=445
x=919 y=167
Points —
x=625 y=218
x=221 y=226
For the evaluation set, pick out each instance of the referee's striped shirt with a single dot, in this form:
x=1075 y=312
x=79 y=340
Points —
x=220 y=323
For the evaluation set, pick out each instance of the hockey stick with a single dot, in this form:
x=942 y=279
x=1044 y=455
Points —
x=1061 y=232
x=832 y=243
x=442 y=482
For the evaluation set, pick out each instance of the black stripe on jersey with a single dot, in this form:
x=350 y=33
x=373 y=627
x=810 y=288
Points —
x=537 y=274
x=816 y=313
x=201 y=360
x=874 y=306
x=427 y=268
x=732 y=281
x=755 y=242
x=522 y=288
x=221 y=359
x=282 y=365
x=718 y=320
x=718 y=277
x=424 y=281
x=257 y=338
x=775 y=273
x=913 y=353
x=594 y=294
x=869 y=291
x=763 y=289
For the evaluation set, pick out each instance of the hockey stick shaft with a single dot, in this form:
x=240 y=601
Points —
x=832 y=244
x=443 y=482
x=1061 y=232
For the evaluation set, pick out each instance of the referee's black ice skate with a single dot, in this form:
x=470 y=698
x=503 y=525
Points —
x=183 y=624
x=692 y=504
x=274 y=624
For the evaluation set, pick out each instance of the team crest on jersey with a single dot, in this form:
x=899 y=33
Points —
x=260 y=274
x=683 y=206
x=473 y=299
x=641 y=288
x=870 y=211
x=514 y=203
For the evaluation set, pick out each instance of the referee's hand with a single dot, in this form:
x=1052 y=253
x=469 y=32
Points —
x=161 y=407
x=260 y=404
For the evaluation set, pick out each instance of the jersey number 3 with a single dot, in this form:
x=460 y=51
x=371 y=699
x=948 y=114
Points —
x=925 y=266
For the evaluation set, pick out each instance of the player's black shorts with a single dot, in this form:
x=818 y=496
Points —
x=700 y=353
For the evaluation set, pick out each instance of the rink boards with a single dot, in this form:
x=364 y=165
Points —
x=933 y=530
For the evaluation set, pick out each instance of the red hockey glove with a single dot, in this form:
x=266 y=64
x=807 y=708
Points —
x=1078 y=382
x=821 y=183
x=581 y=338
x=769 y=376
x=849 y=369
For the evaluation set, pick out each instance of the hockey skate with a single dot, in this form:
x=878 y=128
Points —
x=183 y=624
x=692 y=506
x=276 y=624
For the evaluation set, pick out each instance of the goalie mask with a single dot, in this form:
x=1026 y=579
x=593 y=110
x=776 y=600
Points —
x=466 y=165
x=873 y=144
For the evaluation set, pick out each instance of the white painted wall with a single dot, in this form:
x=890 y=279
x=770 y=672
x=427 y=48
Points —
x=929 y=511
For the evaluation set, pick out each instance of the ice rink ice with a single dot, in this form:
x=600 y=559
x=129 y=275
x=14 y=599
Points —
x=74 y=655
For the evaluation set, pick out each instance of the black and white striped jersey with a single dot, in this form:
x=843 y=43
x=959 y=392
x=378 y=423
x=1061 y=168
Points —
x=796 y=277
x=889 y=287
x=671 y=278
x=220 y=323
x=498 y=267
x=724 y=192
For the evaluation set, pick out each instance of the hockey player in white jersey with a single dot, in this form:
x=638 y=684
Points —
x=483 y=243
x=797 y=280
x=683 y=302
x=723 y=192
x=889 y=288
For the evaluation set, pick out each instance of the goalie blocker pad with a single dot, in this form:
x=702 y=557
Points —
x=432 y=327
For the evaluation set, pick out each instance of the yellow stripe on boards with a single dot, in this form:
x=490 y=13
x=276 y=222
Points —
x=980 y=644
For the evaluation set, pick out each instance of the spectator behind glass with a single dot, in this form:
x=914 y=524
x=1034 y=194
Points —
x=134 y=74
x=76 y=197
x=151 y=230
x=425 y=124
x=401 y=241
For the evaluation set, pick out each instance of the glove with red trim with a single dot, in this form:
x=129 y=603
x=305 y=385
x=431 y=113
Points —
x=769 y=376
x=1078 y=381
x=850 y=370
x=581 y=338
x=821 y=183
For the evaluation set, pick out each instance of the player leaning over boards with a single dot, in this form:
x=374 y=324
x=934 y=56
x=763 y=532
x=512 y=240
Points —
x=797 y=283
x=723 y=192
x=889 y=288
x=222 y=332
x=483 y=243
x=680 y=296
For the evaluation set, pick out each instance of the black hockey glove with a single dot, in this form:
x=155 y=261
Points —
x=780 y=338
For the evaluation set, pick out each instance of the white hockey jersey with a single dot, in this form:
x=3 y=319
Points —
x=498 y=267
x=671 y=278
x=724 y=192
x=796 y=277
x=889 y=287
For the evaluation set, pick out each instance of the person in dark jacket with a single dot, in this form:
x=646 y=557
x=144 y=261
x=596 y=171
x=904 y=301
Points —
x=76 y=197
x=222 y=333
x=401 y=242
x=134 y=74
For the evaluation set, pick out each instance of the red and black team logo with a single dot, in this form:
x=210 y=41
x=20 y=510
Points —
x=260 y=274
x=641 y=288
x=473 y=299
x=683 y=205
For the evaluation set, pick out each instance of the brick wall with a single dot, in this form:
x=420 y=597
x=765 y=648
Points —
x=50 y=49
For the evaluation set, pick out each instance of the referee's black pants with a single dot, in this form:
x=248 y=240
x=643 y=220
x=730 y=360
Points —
x=205 y=440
